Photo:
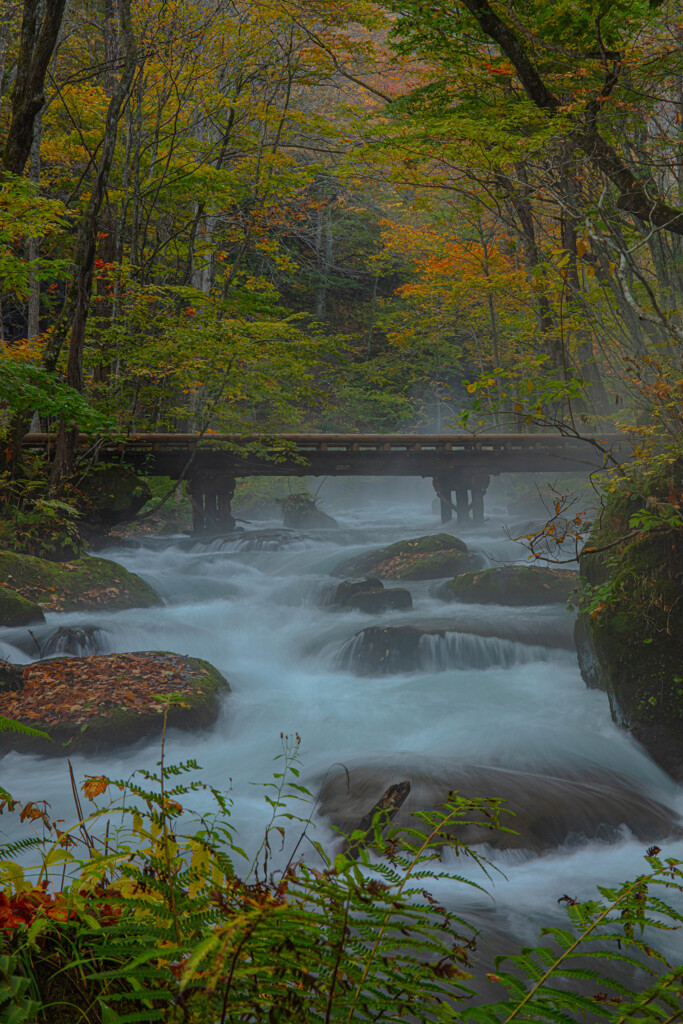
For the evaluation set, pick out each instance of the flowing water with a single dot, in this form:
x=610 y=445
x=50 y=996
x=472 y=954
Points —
x=512 y=702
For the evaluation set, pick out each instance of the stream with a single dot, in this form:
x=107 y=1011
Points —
x=482 y=708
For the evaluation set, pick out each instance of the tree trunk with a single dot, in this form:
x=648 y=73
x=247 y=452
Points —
x=39 y=34
x=86 y=244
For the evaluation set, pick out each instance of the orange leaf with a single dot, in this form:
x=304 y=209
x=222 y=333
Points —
x=94 y=785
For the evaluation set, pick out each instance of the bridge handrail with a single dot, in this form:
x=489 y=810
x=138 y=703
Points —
x=416 y=441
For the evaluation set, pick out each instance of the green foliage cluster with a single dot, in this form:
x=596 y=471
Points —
x=142 y=911
x=32 y=522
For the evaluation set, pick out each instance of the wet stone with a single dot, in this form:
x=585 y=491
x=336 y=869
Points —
x=369 y=595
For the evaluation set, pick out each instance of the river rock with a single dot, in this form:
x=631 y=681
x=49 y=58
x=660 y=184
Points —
x=631 y=623
x=369 y=595
x=105 y=702
x=78 y=640
x=420 y=558
x=74 y=586
x=388 y=650
x=546 y=810
x=111 y=495
x=16 y=610
x=301 y=512
x=511 y=585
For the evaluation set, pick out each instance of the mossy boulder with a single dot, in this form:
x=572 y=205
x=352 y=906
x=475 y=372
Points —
x=16 y=610
x=74 y=586
x=370 y=596
x=301 y=512
x=105 y=702
x=631 y=621
x=421 y=558
x=515 y=585
x=111 y=495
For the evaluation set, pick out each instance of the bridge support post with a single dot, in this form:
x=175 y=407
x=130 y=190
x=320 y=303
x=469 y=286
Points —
x=478 y=488
x=443 y=488
x=211 y=503
x=470 y=488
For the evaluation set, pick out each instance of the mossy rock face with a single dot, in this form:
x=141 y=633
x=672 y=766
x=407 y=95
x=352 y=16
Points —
x=74 y=586
x=111 y=495
x=631 y=623
x=16 y=610
x=421 y=558
x=301 y=512
x=515 y=585
x=105 y=702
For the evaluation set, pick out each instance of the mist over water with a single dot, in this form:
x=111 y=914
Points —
x=507 y=701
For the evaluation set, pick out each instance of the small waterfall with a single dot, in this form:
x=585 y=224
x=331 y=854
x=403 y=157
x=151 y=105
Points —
x=439 y=651
x=378 y=651
x=81 y=642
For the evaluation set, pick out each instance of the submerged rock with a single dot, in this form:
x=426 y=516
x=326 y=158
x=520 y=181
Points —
x=369 y=595
x=16 y=610
x=511 y=585
x=546 y=810
x=78 y=640
x=74 y=586
x=387 y=650
x=105 y=702
x=422 y=558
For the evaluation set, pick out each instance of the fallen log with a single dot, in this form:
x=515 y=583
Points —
x=378 y=816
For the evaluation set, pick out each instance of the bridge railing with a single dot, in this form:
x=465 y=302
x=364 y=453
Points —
x=344 y=442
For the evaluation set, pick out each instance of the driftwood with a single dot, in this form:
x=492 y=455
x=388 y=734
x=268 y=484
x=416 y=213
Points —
x=386 y=807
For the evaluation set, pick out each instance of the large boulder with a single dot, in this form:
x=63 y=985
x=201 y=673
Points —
x=370 y=596
x=111 y=495
x=301 y=512
x=387 y=650
x=546 y=810
x=74 y=586
x=420 y=558
x=105 y=702
x=511 y=585
x=16 y=610
x=631 y=613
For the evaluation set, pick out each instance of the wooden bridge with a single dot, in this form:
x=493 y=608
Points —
x=457 y=463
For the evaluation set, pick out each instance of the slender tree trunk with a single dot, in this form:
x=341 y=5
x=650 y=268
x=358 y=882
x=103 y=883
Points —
x=33 y=244
x=86 y=242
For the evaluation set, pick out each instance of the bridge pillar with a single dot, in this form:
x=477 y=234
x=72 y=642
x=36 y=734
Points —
x=478 y=488
x=470 y=489
x=211 y=503
x=443 y=487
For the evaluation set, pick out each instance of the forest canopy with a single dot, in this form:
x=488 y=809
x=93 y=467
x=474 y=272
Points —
x=353 y=215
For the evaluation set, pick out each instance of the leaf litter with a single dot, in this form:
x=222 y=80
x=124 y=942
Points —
x=79 y=690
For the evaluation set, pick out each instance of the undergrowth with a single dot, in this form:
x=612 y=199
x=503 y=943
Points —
x=142 y=911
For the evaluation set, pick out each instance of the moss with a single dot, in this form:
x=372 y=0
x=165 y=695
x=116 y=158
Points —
x=112 y=494
x=16 y=610
x=119 y=725
x=629 y=635
x=512 y=585
x=72 y=586
x=421 y=558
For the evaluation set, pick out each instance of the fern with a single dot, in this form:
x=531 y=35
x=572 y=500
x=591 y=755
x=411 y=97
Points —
x=158 y=923
x=10 y=725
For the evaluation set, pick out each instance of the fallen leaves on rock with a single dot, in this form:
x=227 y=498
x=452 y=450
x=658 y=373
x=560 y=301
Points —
x=79 y=690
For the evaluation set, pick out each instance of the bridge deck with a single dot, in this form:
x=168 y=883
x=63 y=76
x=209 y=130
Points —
x=425 y=455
